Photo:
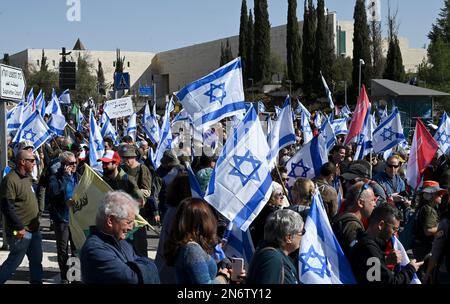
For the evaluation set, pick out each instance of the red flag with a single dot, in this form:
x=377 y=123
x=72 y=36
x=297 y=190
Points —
x=358 y=117
x=423 y=149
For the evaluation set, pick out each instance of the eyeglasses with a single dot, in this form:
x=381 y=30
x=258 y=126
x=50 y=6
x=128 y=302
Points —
x=279 y=194
x=363 y=188
x=301 y=233
x=393 y=166
x=286 y=179
x=31 y=160
x=72 y=163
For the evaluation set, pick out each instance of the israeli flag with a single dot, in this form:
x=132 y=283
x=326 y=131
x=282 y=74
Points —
x=277 y=111
x=321 y=259
x=282 y=134
x=442 y=135
x=181 y=116
x=397 y=245
x=57 y=124
x=103 y=119
x=345 y=111
x=364 y=143
x=307 y=161
x=132 y=127
x=339 y=126
x=318 y=120
x=261 y=107
x=150 y=125
x=15 y=118
x=218 y=95
x=30 y=96
x=33 y=129
x=269 y=129
x=238 y=244
x=306 y=128
x=165 y=141
x=384 y=114
x=328 y=134
x=40 y=103
x=96 y=146
x=108 y=130
x=327 y=92
x=301 y=108
x=241 y=183
x=52 y=106
x=80 y=121
x=64 y=98
x=196 y=190
x=389 y=133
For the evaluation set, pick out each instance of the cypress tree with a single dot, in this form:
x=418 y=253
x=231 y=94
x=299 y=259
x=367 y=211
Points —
x=394 y=62
x=101 y=79
x=44 y=65
x=250 y=45
x=309 y=34
x=293 y=45
x=361 y=47
x=243 y=36
x=320 y=49
x=261 y=57
x=226 y=53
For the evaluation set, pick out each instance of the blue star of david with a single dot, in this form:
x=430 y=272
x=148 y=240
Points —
x=212 y=97
x=147 y=118
x=153 y=129
x=237 y=171
x=300 y=164
x=387 y=134
x=312 y=254
x=29 y=135
x=99 y=145
x=443 y=138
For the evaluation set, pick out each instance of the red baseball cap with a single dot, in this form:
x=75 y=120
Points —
x=110 y=156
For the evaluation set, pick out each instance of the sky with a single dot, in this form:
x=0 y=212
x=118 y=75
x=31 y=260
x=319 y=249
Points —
x=160 y=25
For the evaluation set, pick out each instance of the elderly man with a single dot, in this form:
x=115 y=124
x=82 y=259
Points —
x=20 y=208
x=391 y=181
x=106 y=258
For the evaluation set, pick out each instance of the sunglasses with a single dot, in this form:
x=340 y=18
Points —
x=393 y=166
x=363 y=188
x=285 y=179
x=72 y=163
x=31 y=160
x=301 y=233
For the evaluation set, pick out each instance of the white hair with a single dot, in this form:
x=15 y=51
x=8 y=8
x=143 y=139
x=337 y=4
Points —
x=118 y=204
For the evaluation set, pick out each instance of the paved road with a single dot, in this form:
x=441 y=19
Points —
x=50 y=262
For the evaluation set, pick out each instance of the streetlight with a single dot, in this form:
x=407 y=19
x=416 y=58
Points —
x=253 y=92
x=290 y=83
x=361 y=62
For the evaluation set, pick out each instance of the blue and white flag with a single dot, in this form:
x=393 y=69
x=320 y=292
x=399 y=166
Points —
x=40 y=103
x=328 y=134
x=389 y=133
x=318 y=120
x=30 y=96
x=64 y=98
x=327 y=92
x=238 y=244
x=269 y=129
x=241 y=183
x=261 y=107
x=339 y=126
x=364 y=142
x=108 y=130
x=306 y=128
x=345 y=111
x=282 y=134
x=181 y=116
x=15 y=118
x=165 y=141
x=196 y=190
x=307 y=161
x=80 y=121
x=301 y=108
x=150 y=125
x=52 y=106
x=96 y=146
x=397 y=245
x=218 y=95
x=57 y=122
x=132 y=127
x=321 y=259
x=277 y=111
x=103 y=119
x=442 y=135
x=33 y=129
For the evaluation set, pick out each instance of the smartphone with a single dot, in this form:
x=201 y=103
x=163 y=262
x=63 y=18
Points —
x=237 y=266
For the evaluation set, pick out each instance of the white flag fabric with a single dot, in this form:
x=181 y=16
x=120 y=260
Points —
x=345 y=111
x=389 y=133
x=397 y=245
x=306 y=128
x=238 y=244
x=30 y=96
x=442 y=135
x=318 y=120
x=108 y=130
x=307 y=161
x=261 y=107
x=40 y=103
x=277 y=111
x=364 y=141
x=132 y=127
x=57 y=122
x=218 y=95
x=64 y=98
x=327 y=92
x=33 y=129
x=240 y=184
x=339 y=126
x=15 y=118
x=328 y=134
x=301 y=108
x=321 y=259
x=96 y=146
x=150 y=124
x=165 y=141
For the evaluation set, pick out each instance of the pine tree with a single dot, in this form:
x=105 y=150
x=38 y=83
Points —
x=44 y=65
x=376 y=50
x=309 y=34
x=5 y=59
x=226 y=53
x=361 y=47
x=394 y=62
x=261 y=57
x=441 y=30
x=243 y=36
x=293 y=45
x=101 y=79
x=250 y=45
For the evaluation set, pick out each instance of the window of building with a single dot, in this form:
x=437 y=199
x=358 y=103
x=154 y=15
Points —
x=38 y=62
x=54 y=63
x=114 y=64
x=128 y=64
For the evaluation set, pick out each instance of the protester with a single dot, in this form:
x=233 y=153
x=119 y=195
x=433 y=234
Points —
x=106 y=258
x=324 y=184
x=302 y=193
x=271 y=264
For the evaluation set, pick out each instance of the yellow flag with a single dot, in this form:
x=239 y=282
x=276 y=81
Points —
x=87 y=196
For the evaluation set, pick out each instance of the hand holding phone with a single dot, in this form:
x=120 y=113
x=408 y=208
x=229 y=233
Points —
x=237 y=266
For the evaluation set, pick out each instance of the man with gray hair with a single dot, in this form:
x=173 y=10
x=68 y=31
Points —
x=106 y=258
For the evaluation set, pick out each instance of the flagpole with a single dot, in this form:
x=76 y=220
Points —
x=282 y=184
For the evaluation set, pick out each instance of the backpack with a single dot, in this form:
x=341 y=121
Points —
x=338 y=224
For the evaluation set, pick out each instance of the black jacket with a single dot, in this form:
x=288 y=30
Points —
x=368 y=247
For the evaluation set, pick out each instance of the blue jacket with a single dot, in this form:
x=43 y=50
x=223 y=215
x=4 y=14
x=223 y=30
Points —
x=60 y=189
x=105 y=260
x=390 y=185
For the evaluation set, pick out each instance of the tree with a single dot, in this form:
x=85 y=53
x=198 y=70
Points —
x=250 y=45
x=342 y=71
x=293 y=45
x=119 y=62
x=44 y=65
x=376 y=49
x=441 y=29
x=43 y=79
x=394 y=62
x=308 y=49
x=226 y=55
x=361 y=47
x=261 y=57
x=243 y=37
x=86 y=82
x=101 y=79
x=5 y=59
